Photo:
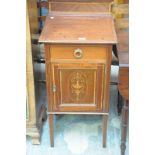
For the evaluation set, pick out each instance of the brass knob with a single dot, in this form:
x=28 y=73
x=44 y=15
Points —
x=78 y=53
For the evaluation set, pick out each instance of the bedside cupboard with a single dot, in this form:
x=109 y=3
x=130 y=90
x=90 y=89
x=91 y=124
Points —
x=78 y=50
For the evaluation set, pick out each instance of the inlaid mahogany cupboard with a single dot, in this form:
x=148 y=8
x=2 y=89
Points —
x=78 y=49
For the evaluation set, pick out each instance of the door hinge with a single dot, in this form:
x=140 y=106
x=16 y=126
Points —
x=54 y=88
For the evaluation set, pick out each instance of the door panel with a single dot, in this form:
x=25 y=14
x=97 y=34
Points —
x=79 y=87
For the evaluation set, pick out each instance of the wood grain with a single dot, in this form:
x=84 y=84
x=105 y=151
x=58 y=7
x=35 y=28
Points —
x=123 y=47
x=89 y=52
x=30 y=75
x=120 y=9
x=33 y=16
x=122 y=30
x=89 y=29
x=84 y=1
x=35 y=109
x=79 y=7
x=69 y=98
x=124 y=82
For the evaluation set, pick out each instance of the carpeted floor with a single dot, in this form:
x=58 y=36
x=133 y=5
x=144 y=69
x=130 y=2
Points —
x=82 y=134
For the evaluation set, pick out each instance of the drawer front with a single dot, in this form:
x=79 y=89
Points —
x=78 y=52
x=77 y=87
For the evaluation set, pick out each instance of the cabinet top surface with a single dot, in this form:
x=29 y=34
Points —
x=79 y=29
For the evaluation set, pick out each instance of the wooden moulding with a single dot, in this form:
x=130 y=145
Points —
x=35 y=131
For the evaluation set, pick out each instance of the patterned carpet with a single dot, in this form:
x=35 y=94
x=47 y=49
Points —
x=81 y=134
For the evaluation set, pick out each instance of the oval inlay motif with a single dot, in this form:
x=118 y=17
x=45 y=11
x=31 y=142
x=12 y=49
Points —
x=78 y=85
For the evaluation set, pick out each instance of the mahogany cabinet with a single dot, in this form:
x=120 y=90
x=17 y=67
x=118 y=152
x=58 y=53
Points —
x=78 y=49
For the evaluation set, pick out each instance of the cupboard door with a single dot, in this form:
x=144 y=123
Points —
x=77 y=87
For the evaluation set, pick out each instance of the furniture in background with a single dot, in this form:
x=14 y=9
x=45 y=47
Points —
x=123 y=83
x=124 y=92
x=35 y=109
x=121 y=1
x=42 y=6
x=121 y=12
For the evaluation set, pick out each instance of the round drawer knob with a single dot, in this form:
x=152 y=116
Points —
x=78 y=53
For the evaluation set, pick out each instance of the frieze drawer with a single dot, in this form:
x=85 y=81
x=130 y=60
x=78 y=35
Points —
x=78 y=52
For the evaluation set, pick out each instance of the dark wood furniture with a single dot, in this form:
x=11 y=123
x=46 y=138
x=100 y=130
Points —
x=123 y=85
x=123 y=88
x=121 y=13
x=78 y=48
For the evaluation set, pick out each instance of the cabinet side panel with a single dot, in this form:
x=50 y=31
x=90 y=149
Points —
x=49 y=76
x=107 y=80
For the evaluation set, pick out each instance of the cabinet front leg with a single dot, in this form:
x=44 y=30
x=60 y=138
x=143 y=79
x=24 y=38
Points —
x=51 y=126
x=104 y=126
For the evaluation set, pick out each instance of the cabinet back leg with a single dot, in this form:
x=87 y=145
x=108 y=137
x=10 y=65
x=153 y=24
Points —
x=104 y=127
x=51 y=126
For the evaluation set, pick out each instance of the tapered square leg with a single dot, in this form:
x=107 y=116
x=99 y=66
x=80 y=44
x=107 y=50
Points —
x=104 y=127
x=51 y=126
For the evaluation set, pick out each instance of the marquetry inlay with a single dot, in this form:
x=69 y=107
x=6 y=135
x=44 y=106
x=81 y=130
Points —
x=78 y=85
